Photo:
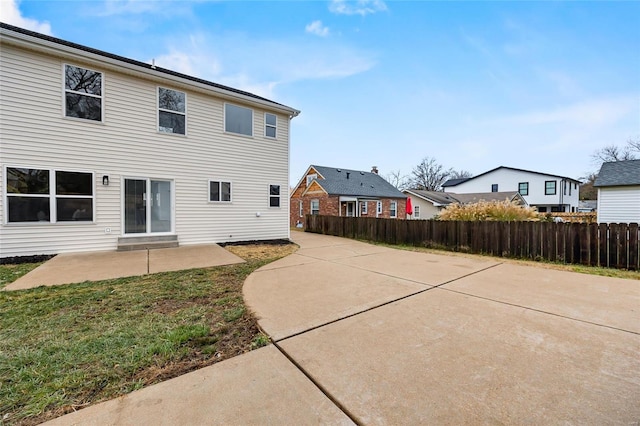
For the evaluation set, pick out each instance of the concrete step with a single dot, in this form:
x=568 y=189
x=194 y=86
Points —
x=147 y=242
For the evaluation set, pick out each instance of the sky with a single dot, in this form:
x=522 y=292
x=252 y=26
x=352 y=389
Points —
x=476 y=85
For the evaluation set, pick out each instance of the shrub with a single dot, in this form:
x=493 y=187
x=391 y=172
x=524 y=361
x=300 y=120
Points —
x=505 y=211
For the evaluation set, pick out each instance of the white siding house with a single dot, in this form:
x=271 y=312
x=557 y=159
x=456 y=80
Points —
x=618 y=186
x=97 y=150
x=546 y=192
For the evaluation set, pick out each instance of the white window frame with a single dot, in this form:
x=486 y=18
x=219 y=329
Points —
x=52 y=196
x=271 y=126
x=225 y=120
x=311 y=209
x=300 y=208
x=171 y=111
x=273 y=196
x=393 y=209
x=416 y=212
x=311 y=177
x=378 y=208
x=220 y=182
x=363 y=207
x=64 y=94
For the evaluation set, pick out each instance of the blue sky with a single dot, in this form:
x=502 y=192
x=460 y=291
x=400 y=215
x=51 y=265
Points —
x=476 y=85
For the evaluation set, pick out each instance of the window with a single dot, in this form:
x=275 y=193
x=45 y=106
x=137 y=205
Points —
x=569 y=188
x=363 y=207
x=494 y=187
x=564 y=184
x=393 y=210
x=310 y=178
x=378 y=208
x=171 y=111
x=523 y=188
x=219 y=191
x=36 y=195
x=238 y=119
x=416 y=212
x=315 y=207
x=542 y=209
x=83 y=93
x=274 y=195
x=300 y=208
x=550 y=187
x=270 y=125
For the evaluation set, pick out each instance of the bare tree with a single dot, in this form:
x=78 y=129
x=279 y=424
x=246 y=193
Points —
x=429 y=175
x=460 y=174
x=397 y=179
x=630 y=151
x=587 y=191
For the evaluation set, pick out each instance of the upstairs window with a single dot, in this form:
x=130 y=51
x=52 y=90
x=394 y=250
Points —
x=37 y=195
x=83 y=93
x=219 y=191
x=172 y=114
x=523 y=188
x=494 y=187
x=274 y=195
x=238 y=120
x=311 y=177
x=550 y=187
x=270 y=125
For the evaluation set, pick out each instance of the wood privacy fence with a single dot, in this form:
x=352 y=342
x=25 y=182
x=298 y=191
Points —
x=608 y=245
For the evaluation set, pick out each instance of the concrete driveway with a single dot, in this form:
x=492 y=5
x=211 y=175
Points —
x=372 y=335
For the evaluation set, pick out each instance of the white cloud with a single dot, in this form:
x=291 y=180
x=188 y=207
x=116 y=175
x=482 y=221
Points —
x=248 y=64
x=317 y=28
x=10 y=14
x=359 y=7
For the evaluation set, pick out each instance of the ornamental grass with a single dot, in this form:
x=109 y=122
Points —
x=505 y=211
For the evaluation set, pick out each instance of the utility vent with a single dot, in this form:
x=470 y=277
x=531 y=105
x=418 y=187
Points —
x=338 y=170
x=348 y=175
x=362 y=173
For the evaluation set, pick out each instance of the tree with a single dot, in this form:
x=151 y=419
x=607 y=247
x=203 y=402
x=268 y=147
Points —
x=429 y=175
x=397 y=179
x=587 y=191
x=460 y=174
x=630 y=151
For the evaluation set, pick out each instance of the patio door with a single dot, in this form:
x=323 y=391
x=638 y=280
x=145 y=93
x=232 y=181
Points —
x=351 y=208
x=148 y=206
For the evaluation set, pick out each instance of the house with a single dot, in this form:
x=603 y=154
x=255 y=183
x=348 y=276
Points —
x=100 y=152
x=343 y=192
x=546 y=192
x=428 y=204
x=618 y=184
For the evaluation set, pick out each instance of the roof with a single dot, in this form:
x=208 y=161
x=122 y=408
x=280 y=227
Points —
x=142 y=65
x=619 y=173
x=356 y=183
x=446 y=198
x=455 y=182
x=436 y=197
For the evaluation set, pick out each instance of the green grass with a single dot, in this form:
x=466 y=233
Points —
x=65 y=347
x=10 y=273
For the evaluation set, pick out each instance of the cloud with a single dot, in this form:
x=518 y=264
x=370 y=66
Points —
x=359 y=7
x=10 y=14
x=317 y=28
x=246 y=63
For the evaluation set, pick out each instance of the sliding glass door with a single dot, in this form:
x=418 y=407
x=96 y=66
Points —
x=147 y=206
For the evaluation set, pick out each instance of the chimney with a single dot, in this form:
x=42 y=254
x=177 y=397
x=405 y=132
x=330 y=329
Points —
x=374 y=169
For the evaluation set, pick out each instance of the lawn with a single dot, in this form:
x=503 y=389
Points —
x=63 y=348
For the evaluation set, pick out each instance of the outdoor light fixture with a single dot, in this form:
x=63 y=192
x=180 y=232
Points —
x=105 y=180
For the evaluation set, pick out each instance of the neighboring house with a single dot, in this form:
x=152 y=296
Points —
x=97 y=150
x=428 y=204
x=618 y=184
x=546 y=192
x=341 y=192
x=587 y=206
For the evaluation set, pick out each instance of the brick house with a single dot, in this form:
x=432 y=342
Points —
x=341 y=192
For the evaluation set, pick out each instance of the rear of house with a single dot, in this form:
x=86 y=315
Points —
x=98 y=150
x=618 y=186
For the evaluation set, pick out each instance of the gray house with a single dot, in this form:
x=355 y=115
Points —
x=618 y=184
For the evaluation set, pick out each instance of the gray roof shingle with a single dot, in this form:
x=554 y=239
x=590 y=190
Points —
x=355 y=183
x=619 y=173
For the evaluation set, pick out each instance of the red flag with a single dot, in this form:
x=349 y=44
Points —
x=409 y=206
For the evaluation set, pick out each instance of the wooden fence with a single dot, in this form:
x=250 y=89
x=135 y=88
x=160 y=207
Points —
x=608 y=245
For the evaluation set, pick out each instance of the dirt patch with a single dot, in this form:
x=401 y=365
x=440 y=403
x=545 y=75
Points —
x=262 y=251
